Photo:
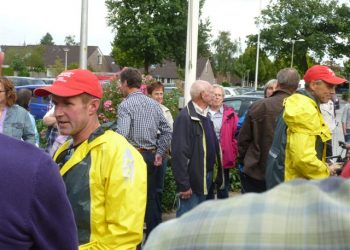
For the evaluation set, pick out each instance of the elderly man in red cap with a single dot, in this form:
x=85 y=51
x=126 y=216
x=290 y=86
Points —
x=307 y=132
x=105 y=176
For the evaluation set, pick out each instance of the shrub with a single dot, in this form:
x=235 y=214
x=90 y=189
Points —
x=235 y=180
x=169 y=191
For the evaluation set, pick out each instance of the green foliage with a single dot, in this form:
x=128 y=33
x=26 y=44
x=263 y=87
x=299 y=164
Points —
x=225 y=84
x=110 y=100
x=42 y=132
x=246 y=64
x=47 y=39
x=235 y=180
x=73 y=66
x=18 y=64
x=27 y=58
x=322 y=24
x=169 y=191
x=58 y=66
x=224 y=53
x=7 y=71
x=171 y=101
x=147 y=32
x=70 y=40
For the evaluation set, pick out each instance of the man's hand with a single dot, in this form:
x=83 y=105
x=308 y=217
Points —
x=158 y=159
x=186 y=195
x=333 y=168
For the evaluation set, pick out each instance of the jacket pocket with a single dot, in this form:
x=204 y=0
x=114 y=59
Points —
x=17 y=130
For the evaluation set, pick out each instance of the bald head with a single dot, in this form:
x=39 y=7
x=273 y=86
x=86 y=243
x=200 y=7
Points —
x=201 y=92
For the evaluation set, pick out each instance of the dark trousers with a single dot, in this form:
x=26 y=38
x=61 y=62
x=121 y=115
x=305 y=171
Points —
x=221 y=193
x=251 y=185
x=153 y=215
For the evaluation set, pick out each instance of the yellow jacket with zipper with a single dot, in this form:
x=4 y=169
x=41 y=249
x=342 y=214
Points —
x=307 y=135
x=106 y=183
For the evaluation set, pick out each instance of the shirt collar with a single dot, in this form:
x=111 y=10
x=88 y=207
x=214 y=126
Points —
x=220 y=111
x=200 y=111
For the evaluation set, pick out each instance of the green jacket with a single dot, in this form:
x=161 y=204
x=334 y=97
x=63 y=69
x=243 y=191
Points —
x=106 y=183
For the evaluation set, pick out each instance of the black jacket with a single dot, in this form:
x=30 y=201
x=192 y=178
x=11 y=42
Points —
x=188 y=152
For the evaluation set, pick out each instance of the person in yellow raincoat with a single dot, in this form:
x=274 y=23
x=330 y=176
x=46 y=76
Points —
x=307 y=132
x=105 y=176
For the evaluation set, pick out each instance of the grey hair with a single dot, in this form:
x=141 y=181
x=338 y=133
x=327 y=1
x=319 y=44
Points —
x=270 y=83
x=197 y=88
x=217 y=86
x=288 y=78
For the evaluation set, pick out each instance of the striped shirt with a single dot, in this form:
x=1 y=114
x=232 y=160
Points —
x=299 y=214
x=139 y=119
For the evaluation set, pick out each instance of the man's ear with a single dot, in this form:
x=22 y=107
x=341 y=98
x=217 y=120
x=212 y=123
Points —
x=312 y=85
x=94 y=105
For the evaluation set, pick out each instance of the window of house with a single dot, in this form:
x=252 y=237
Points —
x=99 y=59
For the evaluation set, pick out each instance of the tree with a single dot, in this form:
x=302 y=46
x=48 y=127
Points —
x=70 y=40
x=224 y=53
x=322 y=24
x=47 y=39
x=245 y=66
x=147 y=32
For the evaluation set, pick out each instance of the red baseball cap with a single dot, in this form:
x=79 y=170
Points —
x=324 y=73
x=71 y=83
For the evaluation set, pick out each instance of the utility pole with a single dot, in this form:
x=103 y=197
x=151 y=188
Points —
x=83 y=34
x=191 y=47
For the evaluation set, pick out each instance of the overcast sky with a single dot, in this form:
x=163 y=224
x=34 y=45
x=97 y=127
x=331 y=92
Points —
x=28 y=21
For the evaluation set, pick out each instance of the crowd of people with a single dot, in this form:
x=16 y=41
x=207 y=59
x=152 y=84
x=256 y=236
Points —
x=100 y=186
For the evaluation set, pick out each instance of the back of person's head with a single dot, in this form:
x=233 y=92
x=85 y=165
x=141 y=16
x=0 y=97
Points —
x=23 y=98
x=197 y=88
x=10 y=91
x=288 y=78
x=153 y=86
x=132 y=77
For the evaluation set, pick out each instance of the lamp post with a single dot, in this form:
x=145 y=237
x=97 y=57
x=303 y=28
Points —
x=65 y=57
x=293 y=42
x=257 y=52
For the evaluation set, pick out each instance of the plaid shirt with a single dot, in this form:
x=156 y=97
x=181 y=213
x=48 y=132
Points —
x=299 y=214
x=139 y=119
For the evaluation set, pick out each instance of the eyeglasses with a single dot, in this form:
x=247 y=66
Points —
x=3 y=91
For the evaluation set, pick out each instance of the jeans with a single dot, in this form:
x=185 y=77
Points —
x=185 y=205
x=153 y=207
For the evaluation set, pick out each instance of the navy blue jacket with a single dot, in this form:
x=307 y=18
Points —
x=188 y=152
x=34 y=209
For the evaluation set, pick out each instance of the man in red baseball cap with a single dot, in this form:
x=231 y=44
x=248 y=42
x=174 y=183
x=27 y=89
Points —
x=105 y=176
x=307 y=131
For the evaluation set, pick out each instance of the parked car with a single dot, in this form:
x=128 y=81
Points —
x=20 y=81
x=38 y=106
x=241 y=103
x=48 y=80
x=230 y=91
x=255 y=93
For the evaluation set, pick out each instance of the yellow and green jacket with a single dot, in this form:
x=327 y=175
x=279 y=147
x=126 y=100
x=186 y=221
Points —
x=106 y=182
x=307 y=135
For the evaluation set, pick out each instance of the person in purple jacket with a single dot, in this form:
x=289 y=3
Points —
x=225 y=122
x=34 y=210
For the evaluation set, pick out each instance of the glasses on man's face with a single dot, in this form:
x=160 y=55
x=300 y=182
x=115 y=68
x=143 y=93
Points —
x=3 y=91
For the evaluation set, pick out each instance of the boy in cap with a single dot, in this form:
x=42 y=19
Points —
x=307 y=131
x=105 y=176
